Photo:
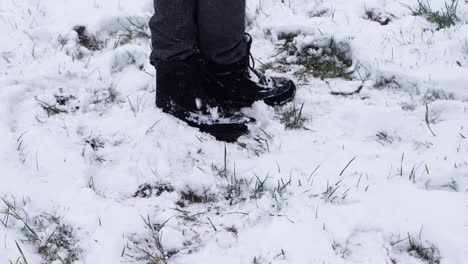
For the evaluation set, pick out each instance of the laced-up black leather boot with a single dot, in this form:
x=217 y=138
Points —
x=182 y=92
x=242 y=85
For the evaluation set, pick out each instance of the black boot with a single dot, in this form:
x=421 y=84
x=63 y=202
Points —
x=181 y=92
x=242 y=85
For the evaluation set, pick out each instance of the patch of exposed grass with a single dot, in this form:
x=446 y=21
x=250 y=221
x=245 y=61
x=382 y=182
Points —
x=318 y=10
x=51 y=109
x=95 y=143
x=379 y=16
x=106 y=96
x=63 y=100
x=53 y=240
x=152 y=190
x=329 y=60
x=192 y=197
x=239 y=189
x=64 y=103
x=444 y=18
x=87 y=40
x=383 y=82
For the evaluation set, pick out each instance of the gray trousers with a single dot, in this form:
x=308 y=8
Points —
x=214 y=28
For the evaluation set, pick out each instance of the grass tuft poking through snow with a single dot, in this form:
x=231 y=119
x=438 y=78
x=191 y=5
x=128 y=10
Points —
x=149 y=251
x=51 y=109
x=417 y=248
x=86 y=40
x=137 y=28
x=378 y=16
x=53 y=240
x=292 y=116
x=428 y=254
x=444 y=18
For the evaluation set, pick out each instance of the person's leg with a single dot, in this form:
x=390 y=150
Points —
x=221 y=27
x=181 y=75
x=173 y=30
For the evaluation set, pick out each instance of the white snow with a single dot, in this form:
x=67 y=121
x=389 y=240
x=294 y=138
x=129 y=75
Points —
x=365 y=174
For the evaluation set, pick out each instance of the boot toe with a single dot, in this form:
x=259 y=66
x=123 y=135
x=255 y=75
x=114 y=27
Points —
x=283 y=92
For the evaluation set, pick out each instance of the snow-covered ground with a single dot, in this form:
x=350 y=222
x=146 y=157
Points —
x=91 y=171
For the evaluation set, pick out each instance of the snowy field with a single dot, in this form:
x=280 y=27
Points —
x=368 y=165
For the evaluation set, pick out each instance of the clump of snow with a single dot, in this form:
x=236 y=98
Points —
x=171 y=239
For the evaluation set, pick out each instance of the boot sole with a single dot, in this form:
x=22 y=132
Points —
x=228 y=132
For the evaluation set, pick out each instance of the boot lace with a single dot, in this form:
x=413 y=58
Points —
x=248 y=63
